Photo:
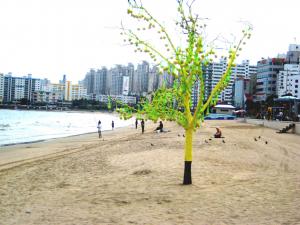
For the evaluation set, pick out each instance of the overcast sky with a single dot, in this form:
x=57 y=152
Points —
x=49 y=38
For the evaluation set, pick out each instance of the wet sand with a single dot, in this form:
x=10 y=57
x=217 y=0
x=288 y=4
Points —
x=130 y=178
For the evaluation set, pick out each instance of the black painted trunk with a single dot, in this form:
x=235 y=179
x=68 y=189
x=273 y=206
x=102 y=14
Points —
x=187 y=178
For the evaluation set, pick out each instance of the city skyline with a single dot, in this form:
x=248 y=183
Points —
x=52 y=38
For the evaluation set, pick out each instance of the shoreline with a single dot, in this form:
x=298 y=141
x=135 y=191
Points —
x=20 y=152
x=14 y=134
x=54 y=110
x=56 y=138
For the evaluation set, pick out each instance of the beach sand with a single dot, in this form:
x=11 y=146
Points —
x=134 y=178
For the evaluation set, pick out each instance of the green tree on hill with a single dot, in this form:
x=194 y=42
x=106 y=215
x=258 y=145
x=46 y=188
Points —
x=185 y=62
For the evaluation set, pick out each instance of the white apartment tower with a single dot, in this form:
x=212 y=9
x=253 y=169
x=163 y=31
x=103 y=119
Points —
x=1 y=87
x=288 y=81
x=214 y=72
x=293 y=54
x=78 y=92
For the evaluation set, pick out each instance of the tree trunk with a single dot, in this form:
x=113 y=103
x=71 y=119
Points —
x=188 y=155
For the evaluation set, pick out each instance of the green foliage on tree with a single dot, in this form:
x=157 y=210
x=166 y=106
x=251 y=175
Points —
x=185 y=62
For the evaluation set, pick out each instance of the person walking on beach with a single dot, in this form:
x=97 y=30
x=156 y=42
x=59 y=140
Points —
x=136 y=123
x=143 y=125
x=112 y=125
x=99 y=129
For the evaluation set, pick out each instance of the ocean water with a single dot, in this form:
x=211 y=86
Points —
x=20 y=126
x=218 y=116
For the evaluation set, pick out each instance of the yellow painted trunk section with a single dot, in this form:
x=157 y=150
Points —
x=188 y=147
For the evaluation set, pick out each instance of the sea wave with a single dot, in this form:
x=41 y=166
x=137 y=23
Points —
x=4 y=125
x=26 y=126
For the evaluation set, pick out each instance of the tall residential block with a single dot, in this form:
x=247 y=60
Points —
x=78 y=92
x=115 y=75
x=293 y=54
x=89 y=81
x=267 y=71
x=242 y=91
x=130 y=74
x=100 y=81
x=288 y=82
x=17 y=88
x=214 y=71
x=1 y=87
x=143 y=77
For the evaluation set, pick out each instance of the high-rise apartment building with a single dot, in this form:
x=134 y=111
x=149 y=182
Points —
x=31 y=85
x=45 y=85
x=288 y=82
x=130 y=73
x=89 y=81
x=125 y=90
x=8 y=95
x=17 y=88
x=242 y=91
x=78 y=92
x=1 y=87
x=214 y=71
x=153 y=79
x=115 y=75
x=68 y=91
x=267 y=71
x=100 y=81
x=293 y=54
x=143 y=77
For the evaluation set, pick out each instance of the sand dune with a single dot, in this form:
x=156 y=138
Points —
x=130 y=178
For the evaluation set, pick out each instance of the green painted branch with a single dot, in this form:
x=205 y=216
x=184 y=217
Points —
x=133 y=35
x=162 y=29
x=217 y=87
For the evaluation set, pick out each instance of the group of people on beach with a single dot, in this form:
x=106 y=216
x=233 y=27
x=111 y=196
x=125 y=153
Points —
x=100 y=127
x=142 y=125
x=158 y=129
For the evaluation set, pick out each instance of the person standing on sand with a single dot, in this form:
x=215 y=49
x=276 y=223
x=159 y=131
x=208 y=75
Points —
x=136 y=123
x=143 y=125
x=112 y=125
x=99 y=129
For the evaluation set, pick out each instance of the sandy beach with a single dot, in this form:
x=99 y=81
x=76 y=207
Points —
x=134 y=178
